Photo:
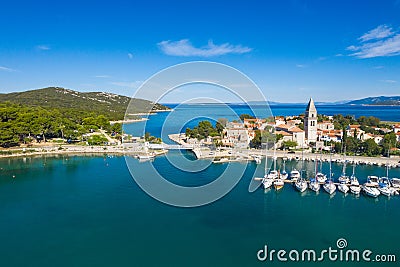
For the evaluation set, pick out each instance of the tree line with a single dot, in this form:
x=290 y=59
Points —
x=24 y=124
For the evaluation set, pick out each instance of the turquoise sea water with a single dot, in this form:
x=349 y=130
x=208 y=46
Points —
x=88 y=211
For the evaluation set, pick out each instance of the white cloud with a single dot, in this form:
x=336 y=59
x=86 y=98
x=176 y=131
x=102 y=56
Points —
x=186 y=49
x=383 y=42
x=130 y=55
x=380 y=32
x=301 y=66
x=102 y=76
x=2 y=68
x=379 y=67
x=389 y=81
x=43 y=47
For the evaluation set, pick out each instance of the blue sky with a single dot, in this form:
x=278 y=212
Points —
x=292 y=49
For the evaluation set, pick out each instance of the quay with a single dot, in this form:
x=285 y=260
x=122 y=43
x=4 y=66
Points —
x=237 y=154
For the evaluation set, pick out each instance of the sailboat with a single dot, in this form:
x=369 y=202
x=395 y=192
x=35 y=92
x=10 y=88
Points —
x=301 y=184
x=321 y=178
x=267 y=182
x=384 y=184
x=278 y=181
x=314 y=184
x=344 y=179
x=284 y=175
x=354 y=184
x=329 y=186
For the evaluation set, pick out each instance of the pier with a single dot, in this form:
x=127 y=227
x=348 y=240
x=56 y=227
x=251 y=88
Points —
x=202 y=152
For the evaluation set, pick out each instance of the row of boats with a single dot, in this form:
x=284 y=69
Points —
x=374 y=186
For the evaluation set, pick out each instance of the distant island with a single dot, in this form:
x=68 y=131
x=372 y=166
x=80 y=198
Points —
x=368 y=101
x=377 y=101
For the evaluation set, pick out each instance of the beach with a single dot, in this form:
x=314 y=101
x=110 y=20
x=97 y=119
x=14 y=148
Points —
x=74 y=150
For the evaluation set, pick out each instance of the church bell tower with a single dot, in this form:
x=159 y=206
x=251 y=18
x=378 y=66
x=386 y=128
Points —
x=310 y=122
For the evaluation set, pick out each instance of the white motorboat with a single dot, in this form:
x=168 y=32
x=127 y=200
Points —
x=294 y=175
x=373 y=180
x=384 y=187
x=385 y=190
x=370 y=191
x=355 y=189
x=395 y=182
x=344 y=179
x=273 y=174
x=257 y=159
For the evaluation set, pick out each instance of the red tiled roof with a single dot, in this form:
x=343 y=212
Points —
x=295 y=130
x=283 y=133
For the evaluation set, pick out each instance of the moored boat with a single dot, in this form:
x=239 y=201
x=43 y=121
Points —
x=395 y=182
x=278 y=184
x=294 y=175
x=354 y=184
x=342 y=187
x=329 y=186
x=301 y=185
x=370 y=191
x=314 y=185
x=373 y=180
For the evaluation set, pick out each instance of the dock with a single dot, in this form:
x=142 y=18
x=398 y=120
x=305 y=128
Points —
x=288 y=181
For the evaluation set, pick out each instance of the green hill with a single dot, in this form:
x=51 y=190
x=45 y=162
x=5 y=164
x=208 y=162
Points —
x=378 y=101
x=110 y=105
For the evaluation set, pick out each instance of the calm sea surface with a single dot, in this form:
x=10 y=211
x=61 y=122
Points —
x=88 y=211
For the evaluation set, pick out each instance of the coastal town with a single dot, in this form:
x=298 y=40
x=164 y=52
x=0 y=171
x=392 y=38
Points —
x=371 y=141
x=310 y=132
